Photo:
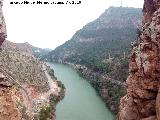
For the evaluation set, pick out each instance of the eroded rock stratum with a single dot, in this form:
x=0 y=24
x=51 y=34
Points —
x=142 y=101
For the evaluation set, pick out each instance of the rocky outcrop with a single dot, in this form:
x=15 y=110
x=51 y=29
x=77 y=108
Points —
x=142 y=101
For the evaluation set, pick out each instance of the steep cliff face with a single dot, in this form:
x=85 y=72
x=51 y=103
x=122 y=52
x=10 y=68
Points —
x=142 y=101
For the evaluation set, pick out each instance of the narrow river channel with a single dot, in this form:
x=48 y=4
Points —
x=81 y=101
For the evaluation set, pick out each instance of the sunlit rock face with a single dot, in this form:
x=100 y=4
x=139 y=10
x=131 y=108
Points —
x=2 y=25
x=142 y=101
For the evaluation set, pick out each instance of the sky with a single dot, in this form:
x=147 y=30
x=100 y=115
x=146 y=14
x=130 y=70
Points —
x=48 y=26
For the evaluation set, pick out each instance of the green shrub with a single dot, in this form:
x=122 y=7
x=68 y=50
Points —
x=51 y=73
x=60 y=84
x=44 y=113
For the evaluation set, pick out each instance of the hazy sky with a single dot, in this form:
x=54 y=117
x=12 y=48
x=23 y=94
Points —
x=48 y=26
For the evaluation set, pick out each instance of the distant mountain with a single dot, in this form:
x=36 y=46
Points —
x=111 y=33
x=25 y=47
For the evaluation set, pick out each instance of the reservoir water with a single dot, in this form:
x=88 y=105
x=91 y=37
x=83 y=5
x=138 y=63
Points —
x=81 y=101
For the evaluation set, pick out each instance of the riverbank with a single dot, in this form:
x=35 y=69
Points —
x=108 y=89
x=54 y=95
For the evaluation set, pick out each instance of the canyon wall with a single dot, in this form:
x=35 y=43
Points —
x=142 y=101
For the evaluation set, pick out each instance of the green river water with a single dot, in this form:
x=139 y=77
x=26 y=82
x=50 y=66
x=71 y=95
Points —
x=81 y=101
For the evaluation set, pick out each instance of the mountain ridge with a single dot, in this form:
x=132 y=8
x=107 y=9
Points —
x=85 y=36
x=25 y=47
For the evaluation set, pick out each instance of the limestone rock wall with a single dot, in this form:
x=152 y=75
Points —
x=142 y=101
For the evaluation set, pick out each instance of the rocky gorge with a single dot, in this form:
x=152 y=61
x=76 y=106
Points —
x=29 y=89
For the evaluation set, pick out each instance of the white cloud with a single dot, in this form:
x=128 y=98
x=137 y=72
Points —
x=48 y=26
